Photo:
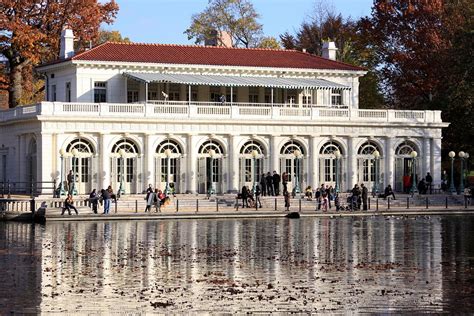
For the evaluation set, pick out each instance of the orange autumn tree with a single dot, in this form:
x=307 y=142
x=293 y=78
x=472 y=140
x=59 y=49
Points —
x=30 y=33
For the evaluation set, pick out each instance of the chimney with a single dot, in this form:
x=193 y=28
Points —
x=329 y=50
x=219 y=38
x=67 y=44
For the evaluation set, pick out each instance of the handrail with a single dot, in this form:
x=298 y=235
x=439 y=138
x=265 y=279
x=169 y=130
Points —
x=234 y=110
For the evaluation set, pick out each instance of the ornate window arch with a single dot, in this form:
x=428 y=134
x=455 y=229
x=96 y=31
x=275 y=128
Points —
x=290 y=147
x=82 y=145
x=171 y=145
x=250 y=146
x=209 y=145
x=330 y=148
x=129 y=146
x=405 y=149
x=368 y=148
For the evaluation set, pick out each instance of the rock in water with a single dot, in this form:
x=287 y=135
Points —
x=293 y=215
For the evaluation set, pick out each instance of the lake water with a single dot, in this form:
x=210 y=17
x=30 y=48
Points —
x=378 y=264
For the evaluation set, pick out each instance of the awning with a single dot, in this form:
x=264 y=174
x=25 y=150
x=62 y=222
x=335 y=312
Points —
x=235 y=81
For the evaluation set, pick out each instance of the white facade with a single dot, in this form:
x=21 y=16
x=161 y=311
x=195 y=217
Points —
x=169 y=139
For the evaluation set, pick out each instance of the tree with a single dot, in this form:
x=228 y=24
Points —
x=423 y=57
x=110 y=36
x=269 y=42
x=31 y=31
x=238 y=18
x=325 y=24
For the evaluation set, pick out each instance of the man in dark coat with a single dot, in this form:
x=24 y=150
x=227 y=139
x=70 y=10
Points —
x=269 y=179
x=429 y=182
x=365 y=194
x=276 y=182
x=263 y=185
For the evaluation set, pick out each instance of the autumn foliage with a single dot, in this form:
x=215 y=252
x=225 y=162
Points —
x=31 y=32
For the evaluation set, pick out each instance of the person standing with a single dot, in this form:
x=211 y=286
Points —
x=94 y=200
x=263 y=184
x=286 y=195
x=150 y=200
x=276 y=183
x=258 y=192
x=429 y=182
x=365 y=195
x=149 y=189
x=269 y=179
x=106 y=199
x=245 y=197
x=70 y=181
x=284 y=180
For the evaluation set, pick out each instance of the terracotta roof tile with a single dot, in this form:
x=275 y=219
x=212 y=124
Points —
x=208 y=55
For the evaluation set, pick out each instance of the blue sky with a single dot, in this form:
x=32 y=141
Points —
x=164 y=21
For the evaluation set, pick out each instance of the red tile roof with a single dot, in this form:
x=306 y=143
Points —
x=208 y=55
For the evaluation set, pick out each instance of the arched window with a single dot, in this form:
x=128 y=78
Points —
x=405 y=149
x=209 y=145
x=368 y=148
x=329 y=170
x=250 y=146
x=128 y=145
x=171 y=145
x=330 y=148
x=290 y=147
x=82 y=145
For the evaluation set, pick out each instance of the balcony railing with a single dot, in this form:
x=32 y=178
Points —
x=210 y=110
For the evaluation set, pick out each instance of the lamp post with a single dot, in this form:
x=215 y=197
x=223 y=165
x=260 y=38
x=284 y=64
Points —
x=122 y=154
x=461 y=155
x=413 y=155
x=466 y=157
x=75 y=154
x=376 y=154
x=210 y=190
x=337 y=153
x=61 y=191
x=451 y=155
x=297 y=154
x=254 y=156
x=168 y=169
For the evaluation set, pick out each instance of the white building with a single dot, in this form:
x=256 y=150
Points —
x=163 y=105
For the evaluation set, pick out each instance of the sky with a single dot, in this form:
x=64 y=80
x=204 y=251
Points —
x=164 y=21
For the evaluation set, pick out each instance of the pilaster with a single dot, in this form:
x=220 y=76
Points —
x=389 y=154
x=426 y=165
x=351 y=162
x=191 y=165
x=233 y=164
x=313 y=162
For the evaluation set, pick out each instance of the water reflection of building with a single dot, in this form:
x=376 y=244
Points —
x=198 y=259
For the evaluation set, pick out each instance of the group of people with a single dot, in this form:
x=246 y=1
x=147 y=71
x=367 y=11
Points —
x=104 y=198
x=270 y=183
x=155 y=198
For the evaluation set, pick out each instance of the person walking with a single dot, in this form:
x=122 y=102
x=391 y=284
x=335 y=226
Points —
x=365 y=195
x=94 y=201
x=276 y=183
x=68 y=205
x=269 y=179
x=106 y=198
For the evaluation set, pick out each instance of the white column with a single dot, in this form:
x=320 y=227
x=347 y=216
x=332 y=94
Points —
x=104 y=163
x=192 y=165
x=389 y=155
x=149 y=171
x=436 y=162
x=426 y=165
x=313 y=180
x=44 y=171
x=351 y=163
x=274 y=154
x=233 y=165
